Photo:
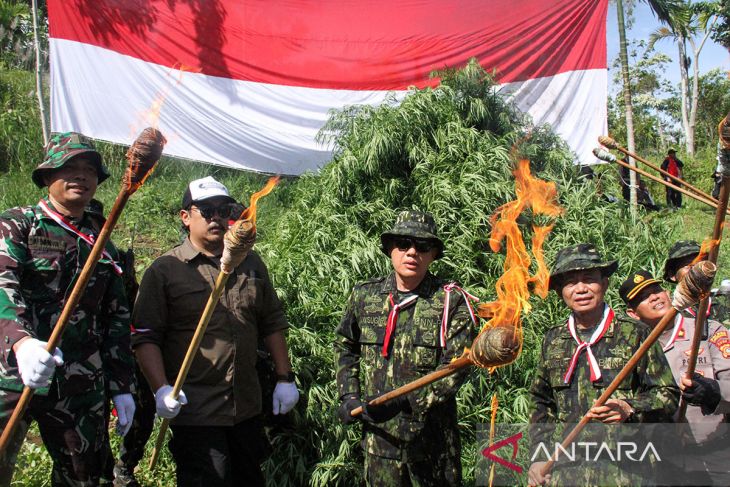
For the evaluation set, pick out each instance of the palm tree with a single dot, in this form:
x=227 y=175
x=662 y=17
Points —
x=685 y=23
x=662 y=9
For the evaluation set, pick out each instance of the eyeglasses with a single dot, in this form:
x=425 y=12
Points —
x=421 y=246
x=207 y=212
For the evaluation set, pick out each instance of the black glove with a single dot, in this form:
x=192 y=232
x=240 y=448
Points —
x=388 y=410
x=703 y=392
x=348 y=404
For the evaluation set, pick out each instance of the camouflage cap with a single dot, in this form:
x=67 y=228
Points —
x=679 y=251
x=62 y=148
x=415 y=224
x=577 y=258
x=631 y=289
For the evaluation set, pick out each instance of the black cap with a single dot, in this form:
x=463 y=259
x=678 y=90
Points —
x=631 y=288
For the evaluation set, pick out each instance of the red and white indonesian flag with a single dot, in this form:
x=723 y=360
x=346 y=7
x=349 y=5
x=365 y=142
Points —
x=249 y=83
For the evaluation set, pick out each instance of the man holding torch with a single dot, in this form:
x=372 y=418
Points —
x=396 y=329
x=581 y=357
x=218 y=437
x=42 y=251
x=708 y=393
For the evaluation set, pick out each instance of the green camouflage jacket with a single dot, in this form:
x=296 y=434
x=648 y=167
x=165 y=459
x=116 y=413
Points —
x=650 y=389
x=39 y=264
x=362 y=370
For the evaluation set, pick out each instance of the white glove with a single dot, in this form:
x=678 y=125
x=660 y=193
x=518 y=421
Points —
x=36 y=366
x=286 y=396
x=124 y=403
x=167 y=407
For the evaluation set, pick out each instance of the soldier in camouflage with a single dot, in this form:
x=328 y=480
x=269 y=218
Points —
x=394 y=330
x=581 y=357
x=42 y=251
x=681 y=255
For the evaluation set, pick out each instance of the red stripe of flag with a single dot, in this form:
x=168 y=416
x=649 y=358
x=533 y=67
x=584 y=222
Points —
x=345 y=44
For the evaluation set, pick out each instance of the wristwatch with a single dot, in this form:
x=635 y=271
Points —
x=288 y=377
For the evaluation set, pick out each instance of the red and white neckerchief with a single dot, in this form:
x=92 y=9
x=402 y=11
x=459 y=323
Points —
x=445 y=318
x=678 y=326
x=597 y=335
x=393 y=319
x=70 y=227
x=693 y=313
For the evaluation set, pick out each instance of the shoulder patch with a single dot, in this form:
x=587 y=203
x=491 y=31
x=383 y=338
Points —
x=721 y=340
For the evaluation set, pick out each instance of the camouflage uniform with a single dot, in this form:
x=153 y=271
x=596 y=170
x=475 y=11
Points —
x=650 y=390
x=423 y=445
x=39 y=263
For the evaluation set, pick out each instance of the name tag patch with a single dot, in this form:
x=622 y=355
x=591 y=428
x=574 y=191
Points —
x=37 y=242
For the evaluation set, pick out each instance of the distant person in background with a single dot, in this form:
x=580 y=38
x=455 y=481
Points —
x=643 y=196
x=673 y=166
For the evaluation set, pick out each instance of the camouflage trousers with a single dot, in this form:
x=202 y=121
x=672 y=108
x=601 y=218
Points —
x=442 y=470
x=72 y=430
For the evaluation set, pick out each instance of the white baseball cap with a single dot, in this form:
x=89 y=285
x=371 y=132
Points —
x=203 y=189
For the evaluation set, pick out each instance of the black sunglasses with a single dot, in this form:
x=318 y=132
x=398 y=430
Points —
x=223 y=211
x=421 y=246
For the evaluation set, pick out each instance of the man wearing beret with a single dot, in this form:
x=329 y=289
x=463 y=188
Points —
x=42 y=251
x=396 y=329
x=681 y=255
x=581 y=357
x=705 y=457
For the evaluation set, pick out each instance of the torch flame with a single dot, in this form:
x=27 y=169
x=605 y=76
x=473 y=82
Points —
x=513 y=287
x=707 y=245
x=250 y=212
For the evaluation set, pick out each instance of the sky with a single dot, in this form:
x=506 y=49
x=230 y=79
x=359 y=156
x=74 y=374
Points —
x=712 y=56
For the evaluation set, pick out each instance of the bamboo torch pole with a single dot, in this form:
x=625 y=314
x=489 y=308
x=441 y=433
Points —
x=604 y=155
x=612 y=144
x=694 y=285
x=717 y=230
x=494 y=346
x=142 y=156
x=237 y=243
